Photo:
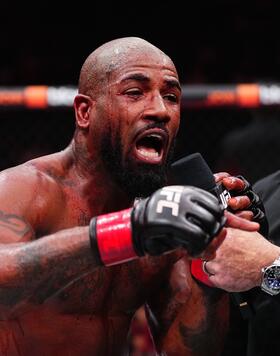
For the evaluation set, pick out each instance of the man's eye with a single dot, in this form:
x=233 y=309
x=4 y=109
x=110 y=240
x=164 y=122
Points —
x=171 y=97
x=133 y=92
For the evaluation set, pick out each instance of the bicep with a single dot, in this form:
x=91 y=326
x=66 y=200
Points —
x=16 y=213
x=188 y=317
x=14 y=227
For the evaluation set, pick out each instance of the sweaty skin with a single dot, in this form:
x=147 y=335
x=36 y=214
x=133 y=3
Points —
x=54 y=297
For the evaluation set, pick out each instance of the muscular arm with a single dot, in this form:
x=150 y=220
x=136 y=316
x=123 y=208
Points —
x=31 y=269
x=188 y=318
x=35 y=270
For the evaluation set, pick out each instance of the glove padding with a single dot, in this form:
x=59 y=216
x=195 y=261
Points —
x=256 y=205
x=176 y=216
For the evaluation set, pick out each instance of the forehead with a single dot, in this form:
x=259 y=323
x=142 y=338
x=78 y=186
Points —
x=147 y=61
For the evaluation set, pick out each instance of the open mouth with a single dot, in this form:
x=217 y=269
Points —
x=150 y=146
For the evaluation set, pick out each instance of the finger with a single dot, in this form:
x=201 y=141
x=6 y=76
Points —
x=233 y=183
x=240 y=223
x=219 y=176
x=239 y=202
x=208 y=201
x=202 y=217
x=245 y=214
x=210 y=268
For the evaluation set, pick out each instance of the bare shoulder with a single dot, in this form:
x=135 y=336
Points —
x=30 y=178
x=29 y=190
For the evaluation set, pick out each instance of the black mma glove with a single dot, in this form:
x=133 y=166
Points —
x=172 y=217
x=256 y=205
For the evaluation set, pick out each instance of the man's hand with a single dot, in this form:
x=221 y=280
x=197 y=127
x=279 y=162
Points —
x=233 y=262
x=238 y=261
x=172 y=217
x=244 y=201
x=236 y=186
x=233 y=221
x=198 y=265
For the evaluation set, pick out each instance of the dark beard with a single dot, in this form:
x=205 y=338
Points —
x=136 y=181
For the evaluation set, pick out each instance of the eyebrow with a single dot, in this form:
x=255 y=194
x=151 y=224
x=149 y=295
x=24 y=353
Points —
x=136 y=76
x=170 y=83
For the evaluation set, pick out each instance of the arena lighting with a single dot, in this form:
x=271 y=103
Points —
x=249 y=95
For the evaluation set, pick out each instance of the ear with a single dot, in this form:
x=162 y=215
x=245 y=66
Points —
x=82 y=105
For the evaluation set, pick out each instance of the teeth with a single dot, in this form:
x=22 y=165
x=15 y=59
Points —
x=149 y=154
x=155 y=135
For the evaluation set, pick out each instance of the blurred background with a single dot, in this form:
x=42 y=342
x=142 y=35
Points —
x=212 y=43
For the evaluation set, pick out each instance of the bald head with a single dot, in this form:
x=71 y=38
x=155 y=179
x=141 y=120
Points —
x=105 y=59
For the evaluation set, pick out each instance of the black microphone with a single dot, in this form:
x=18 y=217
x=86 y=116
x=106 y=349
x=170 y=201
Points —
x=193 y=170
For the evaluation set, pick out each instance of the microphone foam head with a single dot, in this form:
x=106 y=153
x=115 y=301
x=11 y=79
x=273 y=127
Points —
x=193 y=170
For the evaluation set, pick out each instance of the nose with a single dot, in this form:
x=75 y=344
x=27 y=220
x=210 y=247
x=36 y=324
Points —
x=156 y=110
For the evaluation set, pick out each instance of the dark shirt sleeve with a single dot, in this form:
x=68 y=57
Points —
x=268 y=189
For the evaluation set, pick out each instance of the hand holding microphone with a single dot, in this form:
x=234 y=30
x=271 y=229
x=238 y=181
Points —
x=235 y=194
x=244 y=202
x=193 y=170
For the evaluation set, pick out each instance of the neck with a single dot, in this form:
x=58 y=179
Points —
x=95 y=181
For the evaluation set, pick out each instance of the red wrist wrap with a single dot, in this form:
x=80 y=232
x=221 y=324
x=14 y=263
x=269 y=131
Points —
x=198 y=273
x=114 y=239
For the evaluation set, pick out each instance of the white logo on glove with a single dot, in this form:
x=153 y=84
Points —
x=172 y=199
